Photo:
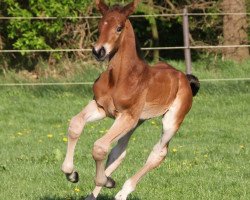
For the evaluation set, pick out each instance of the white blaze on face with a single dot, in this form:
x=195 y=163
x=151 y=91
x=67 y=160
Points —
x=106 y=45
x=108 y=48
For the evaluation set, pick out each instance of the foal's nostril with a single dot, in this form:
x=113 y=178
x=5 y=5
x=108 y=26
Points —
x=99 y=54
x=102 y=52
x=95 y=53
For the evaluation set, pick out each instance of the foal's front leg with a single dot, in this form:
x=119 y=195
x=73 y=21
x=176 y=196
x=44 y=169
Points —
x=115 y=158
x=122 y=125
x=90 y=113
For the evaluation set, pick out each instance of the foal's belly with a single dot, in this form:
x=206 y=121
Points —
x=151 y=110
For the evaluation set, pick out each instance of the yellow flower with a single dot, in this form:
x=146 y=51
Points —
x=49 y=135
x=174 y=150
x=65 y=139
x=242 y=146
x=77 y=190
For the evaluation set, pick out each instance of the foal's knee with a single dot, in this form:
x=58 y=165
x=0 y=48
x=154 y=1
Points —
x=100 y=150
x=76 y=126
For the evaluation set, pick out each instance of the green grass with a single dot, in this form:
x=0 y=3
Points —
x=210 y=158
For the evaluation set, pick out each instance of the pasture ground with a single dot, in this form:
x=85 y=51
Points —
x=208 y=159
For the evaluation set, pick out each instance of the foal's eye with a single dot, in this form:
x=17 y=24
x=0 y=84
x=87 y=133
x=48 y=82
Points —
x=119 y=29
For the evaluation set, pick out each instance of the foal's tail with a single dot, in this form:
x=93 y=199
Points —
x=194 y=83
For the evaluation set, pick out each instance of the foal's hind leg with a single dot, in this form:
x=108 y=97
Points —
x=90 y=113
x=171 y=122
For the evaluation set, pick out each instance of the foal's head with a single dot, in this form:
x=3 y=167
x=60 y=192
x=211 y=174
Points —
x=111 y=28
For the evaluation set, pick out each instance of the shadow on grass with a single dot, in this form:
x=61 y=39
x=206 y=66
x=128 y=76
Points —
x=101 y=197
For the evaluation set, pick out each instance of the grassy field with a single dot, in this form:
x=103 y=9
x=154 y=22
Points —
x=208 y=159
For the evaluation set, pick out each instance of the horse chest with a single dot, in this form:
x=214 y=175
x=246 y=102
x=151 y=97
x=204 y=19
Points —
x=111 y=97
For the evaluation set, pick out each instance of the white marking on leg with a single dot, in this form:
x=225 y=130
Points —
x=90 y=113
x=158 y=154
x=126 y=190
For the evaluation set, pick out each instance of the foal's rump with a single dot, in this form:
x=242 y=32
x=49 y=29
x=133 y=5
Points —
x=193 y=80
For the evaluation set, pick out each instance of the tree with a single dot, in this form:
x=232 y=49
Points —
x=235 y=29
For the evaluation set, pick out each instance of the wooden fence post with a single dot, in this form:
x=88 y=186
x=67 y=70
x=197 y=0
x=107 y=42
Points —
x=186 y=42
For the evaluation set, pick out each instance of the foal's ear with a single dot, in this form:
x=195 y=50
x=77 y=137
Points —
x=101 y=6
x=131 y=7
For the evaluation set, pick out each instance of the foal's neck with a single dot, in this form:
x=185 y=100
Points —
x=126 y=60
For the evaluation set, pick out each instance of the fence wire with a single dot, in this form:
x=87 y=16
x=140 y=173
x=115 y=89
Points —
x=144 y=49
x=132 y=16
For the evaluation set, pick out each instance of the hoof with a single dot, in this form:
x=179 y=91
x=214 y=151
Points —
x=91 y=197
x=110 y=183
x=73 y=177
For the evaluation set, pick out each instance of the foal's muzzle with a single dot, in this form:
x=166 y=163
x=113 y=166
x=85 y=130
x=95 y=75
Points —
x=99 y=54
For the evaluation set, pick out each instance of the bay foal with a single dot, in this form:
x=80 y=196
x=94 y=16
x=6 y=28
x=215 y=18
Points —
x=130 y=92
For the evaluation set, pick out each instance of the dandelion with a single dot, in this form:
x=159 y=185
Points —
x=49 y=135
x=242 y=146
x=174 y=150
x=19 y=133
x=65 y=139
x=77 y=189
